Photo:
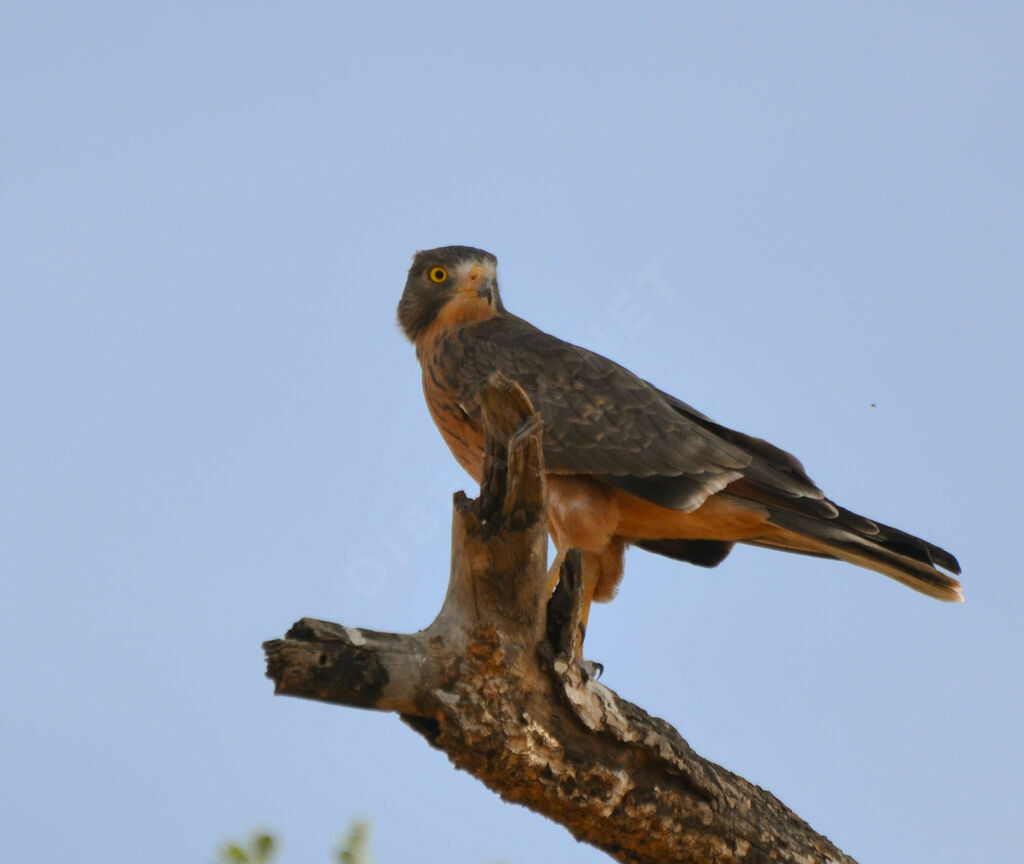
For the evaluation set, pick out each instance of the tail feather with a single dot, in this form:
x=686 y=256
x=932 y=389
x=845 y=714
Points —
x=896 y=554
x=911 y=546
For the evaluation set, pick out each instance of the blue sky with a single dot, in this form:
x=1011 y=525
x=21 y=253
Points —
x=805 y=219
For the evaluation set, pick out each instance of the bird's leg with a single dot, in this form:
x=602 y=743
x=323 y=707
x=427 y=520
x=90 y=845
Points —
x=571 y=586
x=591 y=576
x=555 y=570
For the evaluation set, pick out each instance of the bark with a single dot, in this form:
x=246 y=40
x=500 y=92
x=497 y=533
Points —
x=493 y=683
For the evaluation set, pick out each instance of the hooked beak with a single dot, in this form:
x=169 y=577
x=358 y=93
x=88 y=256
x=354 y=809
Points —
x=486 y=290
x=480 y=281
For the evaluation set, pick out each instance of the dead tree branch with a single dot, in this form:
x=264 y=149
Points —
x=492 y=682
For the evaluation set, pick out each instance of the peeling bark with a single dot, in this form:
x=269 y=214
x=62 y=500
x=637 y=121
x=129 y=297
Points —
x=493 y=683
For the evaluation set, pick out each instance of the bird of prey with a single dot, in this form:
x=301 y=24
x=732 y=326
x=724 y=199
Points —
x=627 y=464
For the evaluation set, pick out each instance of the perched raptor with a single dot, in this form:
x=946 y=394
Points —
x=628 y=464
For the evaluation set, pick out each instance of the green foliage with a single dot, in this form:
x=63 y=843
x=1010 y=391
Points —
x=355 y=846
x=262 y=848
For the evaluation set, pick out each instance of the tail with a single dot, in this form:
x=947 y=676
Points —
x=849 y=537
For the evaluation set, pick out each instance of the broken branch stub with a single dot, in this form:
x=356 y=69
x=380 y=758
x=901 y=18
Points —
x=499 y=540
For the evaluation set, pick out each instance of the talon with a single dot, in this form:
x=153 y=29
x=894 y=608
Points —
x=590 y=668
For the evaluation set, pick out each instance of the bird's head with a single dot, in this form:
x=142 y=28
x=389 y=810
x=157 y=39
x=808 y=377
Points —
x=453 y=284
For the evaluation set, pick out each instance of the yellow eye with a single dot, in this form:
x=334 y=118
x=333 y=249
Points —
x=438 y=275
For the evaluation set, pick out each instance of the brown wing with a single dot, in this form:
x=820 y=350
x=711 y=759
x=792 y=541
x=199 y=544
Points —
x=600 y=419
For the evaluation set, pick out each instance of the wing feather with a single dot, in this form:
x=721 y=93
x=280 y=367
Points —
x=600 y=419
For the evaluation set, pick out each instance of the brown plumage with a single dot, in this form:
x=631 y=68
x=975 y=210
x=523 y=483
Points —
x=627 y=463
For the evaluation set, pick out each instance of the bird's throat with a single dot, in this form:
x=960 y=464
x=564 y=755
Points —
x=458 y=312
